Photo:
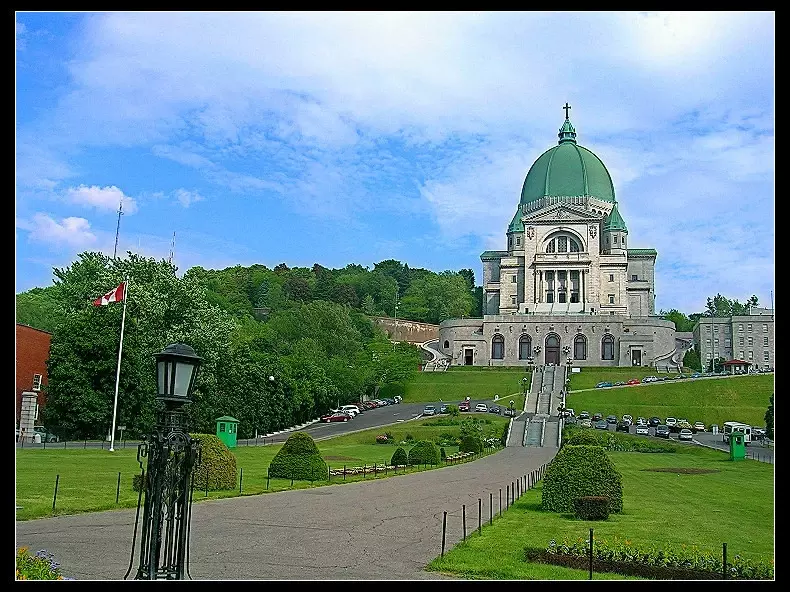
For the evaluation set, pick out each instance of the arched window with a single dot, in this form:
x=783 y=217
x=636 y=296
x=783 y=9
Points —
x=446 y=344
x=498 y=347
x=524 y=347
x=607 y=347
x=563 y=243
x=580 y=347
x=552 y=341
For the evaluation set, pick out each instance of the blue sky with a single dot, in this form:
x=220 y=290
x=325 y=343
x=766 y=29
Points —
x=339 y=138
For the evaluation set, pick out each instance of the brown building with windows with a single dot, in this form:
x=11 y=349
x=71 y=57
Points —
x=32 y=353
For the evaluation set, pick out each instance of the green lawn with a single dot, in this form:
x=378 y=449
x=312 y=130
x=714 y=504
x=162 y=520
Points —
x=710 y=400
x=458 y=383
x=734 y=504
x=590 y=376
x=88 y=479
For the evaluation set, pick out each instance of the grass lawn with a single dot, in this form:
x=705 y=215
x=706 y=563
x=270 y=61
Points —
x=454 y=385
x=590 y=376
x=661 y=509
x=88 y=479
x=710 y=400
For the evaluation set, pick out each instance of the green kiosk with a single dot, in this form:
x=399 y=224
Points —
x=227 y=428
x=737 y=446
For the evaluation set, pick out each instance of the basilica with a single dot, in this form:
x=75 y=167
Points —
x=569 y=289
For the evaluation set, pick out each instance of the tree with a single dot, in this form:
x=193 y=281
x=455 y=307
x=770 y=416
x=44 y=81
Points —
x=769 y=419
x=36 y=308
x=691 y=359
x=682 y=322
x=369 y=305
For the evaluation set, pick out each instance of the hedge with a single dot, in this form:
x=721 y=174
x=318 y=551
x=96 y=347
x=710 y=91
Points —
x=579 y=471
x=299 y=458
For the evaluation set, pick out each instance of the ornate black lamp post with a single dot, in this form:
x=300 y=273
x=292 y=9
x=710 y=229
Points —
x=172 y=455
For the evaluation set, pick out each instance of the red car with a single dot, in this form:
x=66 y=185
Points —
x=463 y=406
x=633 y=381
x=336 y=416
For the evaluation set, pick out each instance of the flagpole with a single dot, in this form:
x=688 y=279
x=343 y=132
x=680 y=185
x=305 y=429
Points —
x=118 y=369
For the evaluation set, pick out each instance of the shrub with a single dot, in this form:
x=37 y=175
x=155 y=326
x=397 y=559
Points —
x=409 y=438
x=579 y=471
x=442 y=454
x=41 y=566
x=299 y=458
x=382 y=439
x=424 y=452
x=591 y=507
x=471 y=437
x=217 y=464
x=399 y=457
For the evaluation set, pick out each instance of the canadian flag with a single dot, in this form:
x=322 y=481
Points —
x=114 y=295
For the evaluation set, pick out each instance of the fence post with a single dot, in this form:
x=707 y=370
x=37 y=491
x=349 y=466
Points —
x=464 y=519
x=723 y=560
x=64 y=445
x=344 y=472
x=241 y=477
x=480 y=515
x=591 y=552
x=85 y=445
x=267 y=479
x=490 y=509
x=118 y=489
x=507 y=497
x=55 y=497
x=444 y=530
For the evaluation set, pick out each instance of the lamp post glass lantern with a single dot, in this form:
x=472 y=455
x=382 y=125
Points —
x=172 y=456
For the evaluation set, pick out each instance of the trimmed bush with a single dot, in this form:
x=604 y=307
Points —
x=471 y=439
x=424 y=452
x=579 y=471
x=591 y=507
x=442 y=454
x=399 y=457
x=218 y=464
x=299 y=458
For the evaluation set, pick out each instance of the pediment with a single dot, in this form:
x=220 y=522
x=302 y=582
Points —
x=562 y=213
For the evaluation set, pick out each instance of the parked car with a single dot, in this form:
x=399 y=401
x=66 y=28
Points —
x=443 y=408
x=604 y=384
x=642 y=430
x=685 y=434
x=481 y=408
x=463 y=406
x=45 y=435
x=696 y=375
x=397 y=399
x=612 y=419
x=628 y=418
x=336 y=415
x=567 y=412
x=585 y=423
x=671 y=421
x=633 y=381
x=619 y=383
x=597 y=417
x=662 y=431
x=654 y=421
x=495 y=409
x=429 y=410
x=584 y=415
x=641 y=421
x=509 y=412
x=699 y=426
x=650 y=379
x=601 y=425
x=623 y=426
x=352 y=409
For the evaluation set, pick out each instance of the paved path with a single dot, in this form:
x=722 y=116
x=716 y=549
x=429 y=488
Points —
x=383 y=529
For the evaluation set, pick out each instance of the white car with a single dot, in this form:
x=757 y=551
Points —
x=352 y=410
x=641 y=421
x=628 y=418
x=685 y=434
x=429 y=410
x=642 y=430
x=650 y=379
x=671 y=421
x=699 y=426
x=481 y=407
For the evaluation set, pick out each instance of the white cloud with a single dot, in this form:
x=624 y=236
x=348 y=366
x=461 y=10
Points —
x=102 y=198
x=72 y=232
x=187 y=198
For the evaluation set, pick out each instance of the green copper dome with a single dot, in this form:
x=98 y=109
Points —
x=614 y=221
x=567 y=170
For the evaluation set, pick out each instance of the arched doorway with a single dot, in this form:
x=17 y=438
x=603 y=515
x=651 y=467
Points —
x=552 y=349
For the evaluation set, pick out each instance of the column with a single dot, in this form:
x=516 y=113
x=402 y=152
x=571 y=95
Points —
x=583 y=291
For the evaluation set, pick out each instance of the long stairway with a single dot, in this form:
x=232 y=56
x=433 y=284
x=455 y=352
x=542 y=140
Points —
x=541 y=416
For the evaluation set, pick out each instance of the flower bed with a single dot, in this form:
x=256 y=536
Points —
x=41 y=566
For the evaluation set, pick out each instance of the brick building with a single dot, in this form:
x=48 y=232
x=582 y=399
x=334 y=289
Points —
x=32 y=353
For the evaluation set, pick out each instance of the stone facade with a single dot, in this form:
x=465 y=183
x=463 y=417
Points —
x=749 y=338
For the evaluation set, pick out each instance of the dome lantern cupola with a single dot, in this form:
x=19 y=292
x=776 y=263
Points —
x=567 y=131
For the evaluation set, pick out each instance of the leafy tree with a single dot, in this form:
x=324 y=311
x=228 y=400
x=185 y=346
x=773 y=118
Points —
x=682 y=322
x=691 y=359
x=769 y=419
x=716 y=365
x=369 y=305
x=37 y=308
x=469 y=276
x=719 y=306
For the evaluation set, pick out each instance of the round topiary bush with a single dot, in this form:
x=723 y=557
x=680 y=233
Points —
x=218 y=464
x=299 y=458
x=581 y=437
x=579 y=471
x=424 y=452
x=399 y=457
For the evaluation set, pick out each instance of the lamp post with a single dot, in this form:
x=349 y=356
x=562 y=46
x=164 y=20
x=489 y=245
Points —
x=172 y=456
x=524 y=386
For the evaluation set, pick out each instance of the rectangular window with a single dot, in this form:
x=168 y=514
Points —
x=740 y=328
x=749 y=327
x=708 y=342
x=518 y=241
x=512 y=300
x=751 y=355
x=513 y=279
x=611 y=313
x=741 y=356
x=37 y=382
x=751 y=341
x=633 y=277
x=765 y=328
x=765 y=356
x=611 y=298
x=740 y=341
x=615 y=239
x=708 y=355
x=707 y=328
x=611 y=277
x=550 y=297
x=222 y=427
x=562 y=244
x=765 y=341
x=727 y=342
x=716 y=329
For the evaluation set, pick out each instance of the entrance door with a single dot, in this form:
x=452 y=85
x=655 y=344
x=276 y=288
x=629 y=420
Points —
x=468 y=356
x=553 y=350
x=636 y=357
